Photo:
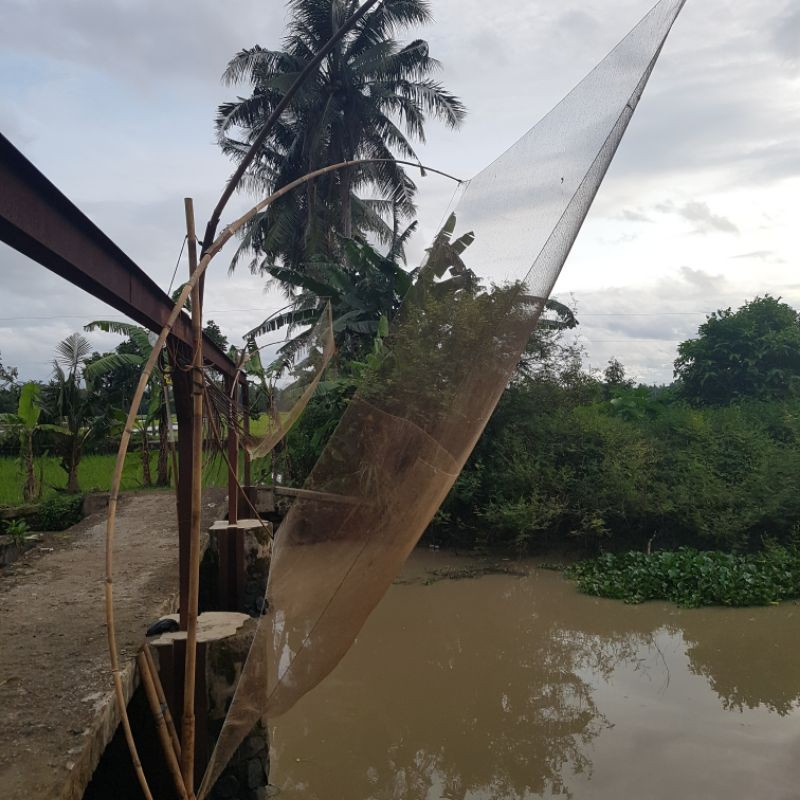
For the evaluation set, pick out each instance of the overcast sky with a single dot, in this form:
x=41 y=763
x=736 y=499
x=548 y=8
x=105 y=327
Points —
x=114 y=101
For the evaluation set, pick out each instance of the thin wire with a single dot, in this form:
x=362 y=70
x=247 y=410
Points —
x=177 y=264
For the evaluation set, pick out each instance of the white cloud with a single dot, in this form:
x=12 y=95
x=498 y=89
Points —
x=114 y=101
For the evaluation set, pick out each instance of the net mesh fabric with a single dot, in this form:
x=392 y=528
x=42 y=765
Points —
x=413 y=423
x=305 y=370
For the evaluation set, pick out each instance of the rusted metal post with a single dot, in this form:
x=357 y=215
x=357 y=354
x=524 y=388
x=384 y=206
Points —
x=182 y=393
x=188 y=728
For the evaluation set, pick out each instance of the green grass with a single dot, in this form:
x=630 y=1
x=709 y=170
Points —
x=262 y=425
x=94 y=474
x=693 y=578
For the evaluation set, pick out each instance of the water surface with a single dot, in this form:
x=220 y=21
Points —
x=516 y=686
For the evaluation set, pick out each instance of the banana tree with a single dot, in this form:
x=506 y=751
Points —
x=25 y=423
x=364 y=291
x=71 y=401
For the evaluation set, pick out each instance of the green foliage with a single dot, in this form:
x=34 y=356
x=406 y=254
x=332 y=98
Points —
x=560 y=466
x=692 y=578
x=79 y=413
x=371 y=98
x=94 y=473
x=59 y=511
x=364 y=290
x=750 y=353
x=17 y=529
x=8 y=375
x=306 y=440
x=25 y=423
x=213 y=332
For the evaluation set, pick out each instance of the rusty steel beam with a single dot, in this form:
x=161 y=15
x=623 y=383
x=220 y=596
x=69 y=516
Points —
x=40 y=221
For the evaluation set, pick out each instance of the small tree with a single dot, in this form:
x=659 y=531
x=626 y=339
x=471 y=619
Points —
x=25 y=423
x=70 y=401
x=9 y=391
x=213 y=332
x=614 y=375
x=753 y=352
x=134 y=353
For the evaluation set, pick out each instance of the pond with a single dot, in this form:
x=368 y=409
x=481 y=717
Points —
x=516 y=686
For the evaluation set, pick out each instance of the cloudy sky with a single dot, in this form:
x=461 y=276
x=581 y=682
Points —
x=114 y=101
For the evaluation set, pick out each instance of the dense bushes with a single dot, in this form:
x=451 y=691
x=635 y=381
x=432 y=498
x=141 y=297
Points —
x=566 y=466
x=572 y=460
x=587 y=466
x=691 y=578
x=58 y=511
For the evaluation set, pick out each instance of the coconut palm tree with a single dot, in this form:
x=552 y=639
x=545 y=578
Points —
x=370 y=98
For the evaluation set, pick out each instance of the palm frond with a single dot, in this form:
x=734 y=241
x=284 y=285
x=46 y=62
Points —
x=72 y=352
x=102 y=366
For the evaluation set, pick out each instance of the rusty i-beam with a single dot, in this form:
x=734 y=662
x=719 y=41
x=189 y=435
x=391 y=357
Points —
x=38 y=220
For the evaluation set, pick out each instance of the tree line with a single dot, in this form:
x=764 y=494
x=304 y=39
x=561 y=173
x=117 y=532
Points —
x=570 y=457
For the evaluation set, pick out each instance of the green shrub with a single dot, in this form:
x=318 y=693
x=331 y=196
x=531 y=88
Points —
x=693 y=578
x=59 y=511
x=16 y=529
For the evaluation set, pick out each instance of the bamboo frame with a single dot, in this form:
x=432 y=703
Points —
x=113 y=501
x=241 y=489
x=190 y=671
x=161 y=726
x=162 y=700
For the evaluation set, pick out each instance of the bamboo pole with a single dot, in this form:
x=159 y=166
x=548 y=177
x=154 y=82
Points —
x=161 y=726
x=233 y=456
x=248 y=480
x=116 y=479
x=170 y=723
x=188 y=727
x=218 y=439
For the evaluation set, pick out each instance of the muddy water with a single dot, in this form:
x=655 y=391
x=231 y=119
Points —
x=508 y=686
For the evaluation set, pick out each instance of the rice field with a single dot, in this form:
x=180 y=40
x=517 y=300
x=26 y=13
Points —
x=94 y=474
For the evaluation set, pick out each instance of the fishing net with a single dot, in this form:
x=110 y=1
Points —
x=298 y=378
x=411 y=426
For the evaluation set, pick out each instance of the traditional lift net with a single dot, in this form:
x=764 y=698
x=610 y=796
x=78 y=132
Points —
x=299 y=380
x=408 y=431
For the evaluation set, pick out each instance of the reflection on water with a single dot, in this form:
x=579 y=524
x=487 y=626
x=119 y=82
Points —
x=516 y=687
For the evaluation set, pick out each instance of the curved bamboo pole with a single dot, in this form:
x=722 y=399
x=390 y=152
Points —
x=116 y=480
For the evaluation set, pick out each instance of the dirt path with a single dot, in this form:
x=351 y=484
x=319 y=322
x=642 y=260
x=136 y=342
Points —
x=56 y=709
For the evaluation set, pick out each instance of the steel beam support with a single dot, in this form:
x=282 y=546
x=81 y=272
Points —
x=40 y=221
